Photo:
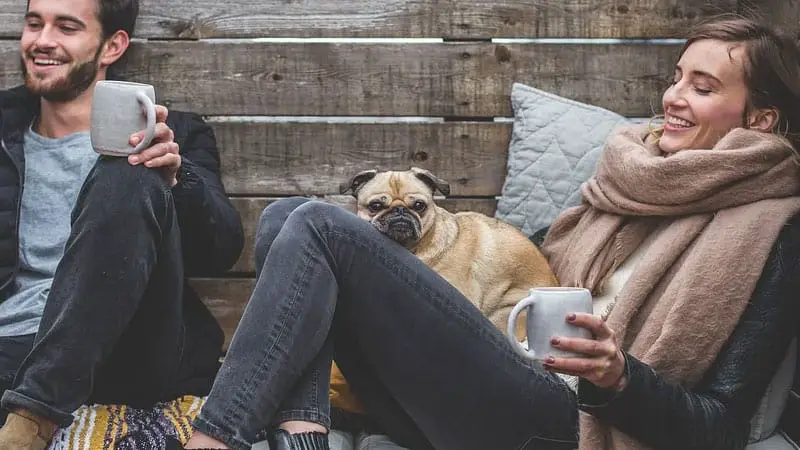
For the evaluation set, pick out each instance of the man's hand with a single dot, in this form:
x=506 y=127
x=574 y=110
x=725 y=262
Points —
x=163 y=152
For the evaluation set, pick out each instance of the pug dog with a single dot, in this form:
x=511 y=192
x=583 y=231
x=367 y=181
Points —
x=492 y=263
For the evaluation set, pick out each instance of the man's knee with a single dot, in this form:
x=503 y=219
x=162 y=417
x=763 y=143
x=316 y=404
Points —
x=112 y=175
x=116 y=187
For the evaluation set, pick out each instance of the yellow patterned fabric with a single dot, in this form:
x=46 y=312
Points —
x=105 y=427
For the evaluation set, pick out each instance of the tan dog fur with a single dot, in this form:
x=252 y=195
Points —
x=489 y=261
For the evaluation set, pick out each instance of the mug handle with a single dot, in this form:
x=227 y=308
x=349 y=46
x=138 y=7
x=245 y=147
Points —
x=150 y=107
x=512 y=327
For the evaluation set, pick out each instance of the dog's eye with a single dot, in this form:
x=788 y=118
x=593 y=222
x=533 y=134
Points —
x=419 y=206
x=375 y=206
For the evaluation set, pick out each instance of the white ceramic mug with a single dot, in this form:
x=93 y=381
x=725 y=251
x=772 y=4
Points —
x=120 y=109
x=547 y=310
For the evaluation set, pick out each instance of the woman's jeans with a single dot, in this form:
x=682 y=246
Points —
x=424 y=361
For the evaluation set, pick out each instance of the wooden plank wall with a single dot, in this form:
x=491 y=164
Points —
x=263 y=72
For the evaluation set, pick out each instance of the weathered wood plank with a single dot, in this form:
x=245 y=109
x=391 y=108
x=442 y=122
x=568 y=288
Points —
x=250 y=211
x=407 y=18
x=344 y=79
x=314 y=158
x=782 y=13
x=226 y=298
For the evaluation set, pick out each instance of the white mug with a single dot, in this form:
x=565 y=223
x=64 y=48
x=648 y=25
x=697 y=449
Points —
x=119 y=109
x=547 y=310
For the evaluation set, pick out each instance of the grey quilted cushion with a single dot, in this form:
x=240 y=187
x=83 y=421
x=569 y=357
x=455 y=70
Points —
x=555 y=144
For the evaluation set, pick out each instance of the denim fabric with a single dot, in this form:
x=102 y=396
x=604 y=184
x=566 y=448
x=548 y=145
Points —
x=431 y=369
x=112 y=329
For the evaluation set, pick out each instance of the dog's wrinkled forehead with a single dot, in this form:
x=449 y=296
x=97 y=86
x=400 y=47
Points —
x=395 y=185
x=415 y=178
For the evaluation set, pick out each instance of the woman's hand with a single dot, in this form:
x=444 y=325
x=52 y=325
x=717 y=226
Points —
x=605 y=366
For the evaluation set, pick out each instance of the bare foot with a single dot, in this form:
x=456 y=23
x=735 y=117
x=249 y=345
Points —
x=200 y=440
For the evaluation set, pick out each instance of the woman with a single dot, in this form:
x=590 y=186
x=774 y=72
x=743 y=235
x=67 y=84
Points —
x=693 y=229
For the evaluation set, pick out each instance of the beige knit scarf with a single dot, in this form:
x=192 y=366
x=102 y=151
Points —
x=718 y=213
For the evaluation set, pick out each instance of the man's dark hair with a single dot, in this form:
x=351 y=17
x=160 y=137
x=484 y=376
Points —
x=115 y=15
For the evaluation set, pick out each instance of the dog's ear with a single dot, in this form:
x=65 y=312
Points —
x=432 y=180
x=357 y=182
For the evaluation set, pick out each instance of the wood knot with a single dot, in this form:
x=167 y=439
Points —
x=419 y=156
x=180 y=28
x=502 y=53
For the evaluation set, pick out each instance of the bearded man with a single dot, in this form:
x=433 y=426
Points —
x=95 y=250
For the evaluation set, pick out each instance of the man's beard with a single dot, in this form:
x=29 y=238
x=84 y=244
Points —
x=78 y=79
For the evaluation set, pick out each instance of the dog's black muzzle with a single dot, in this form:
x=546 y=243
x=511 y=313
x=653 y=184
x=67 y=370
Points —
x=401 y=226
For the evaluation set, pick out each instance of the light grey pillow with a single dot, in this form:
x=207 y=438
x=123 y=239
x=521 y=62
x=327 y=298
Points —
x=555 y=145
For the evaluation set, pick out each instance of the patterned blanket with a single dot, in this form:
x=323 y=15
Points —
x=106 y=427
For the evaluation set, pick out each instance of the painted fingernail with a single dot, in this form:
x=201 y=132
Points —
x=571 y=317
x=550 y=360
x=555 y=341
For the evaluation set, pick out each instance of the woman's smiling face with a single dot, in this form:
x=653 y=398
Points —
x=707 y=98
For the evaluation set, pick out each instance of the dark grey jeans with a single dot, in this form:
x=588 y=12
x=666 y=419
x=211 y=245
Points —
x=113 y=328
x=431 y=369
x=13 y=350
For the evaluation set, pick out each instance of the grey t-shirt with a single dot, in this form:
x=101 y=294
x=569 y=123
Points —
x=54 y=173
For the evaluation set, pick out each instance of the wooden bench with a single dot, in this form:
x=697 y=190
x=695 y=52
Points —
x=296 y=112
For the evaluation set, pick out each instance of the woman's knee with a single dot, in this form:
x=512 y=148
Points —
x=272 y=219
x=320 y=216
x=301 y=216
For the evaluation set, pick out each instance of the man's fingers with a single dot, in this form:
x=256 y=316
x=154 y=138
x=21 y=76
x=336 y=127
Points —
x=161 y=113
x=154 y=151
x=161 y=133
x=169 y=160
